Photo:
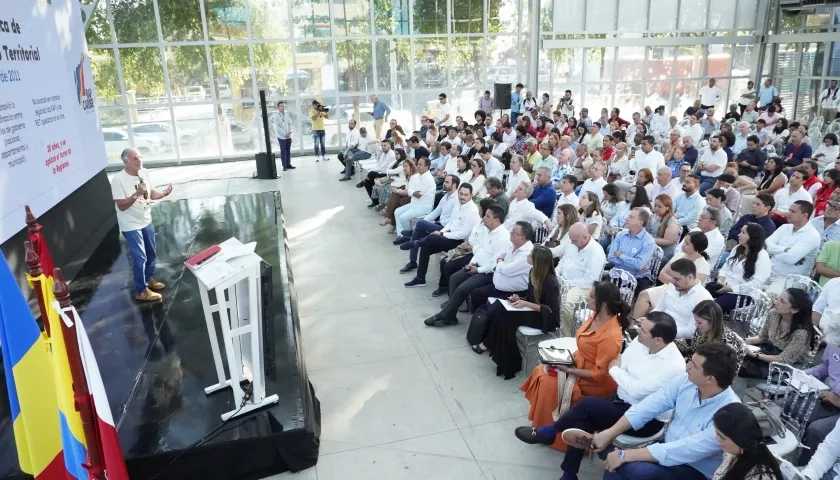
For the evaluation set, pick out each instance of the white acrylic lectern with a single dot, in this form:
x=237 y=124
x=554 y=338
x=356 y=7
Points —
x=233 y=275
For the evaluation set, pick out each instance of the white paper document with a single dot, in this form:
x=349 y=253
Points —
x=508 y=306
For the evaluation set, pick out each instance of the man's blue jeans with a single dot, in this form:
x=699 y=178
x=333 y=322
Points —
x=650 y=471
x=318 y=139
x=285 y=151
x=421 y=231
x=514 y=116
x=141 y=247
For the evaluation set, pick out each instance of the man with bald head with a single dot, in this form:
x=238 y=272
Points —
x=580 y=267
x=131 y=190
x=663 y=185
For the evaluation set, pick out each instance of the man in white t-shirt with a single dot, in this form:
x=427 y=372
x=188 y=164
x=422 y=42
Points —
x=131 y=190
x=748 y=95
x=711 y=165
x=444 y=116
x=647 y=157
x=709 y=95
x=829 y=101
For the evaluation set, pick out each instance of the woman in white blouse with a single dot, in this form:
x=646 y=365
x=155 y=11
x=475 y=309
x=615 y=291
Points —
x=476 y=178
x=747 y=265
x=463 y=172
x=827 y=152
x=613 y=202
x=620 y=164
x=591 y=214
x=558 y=239
x=694 y=249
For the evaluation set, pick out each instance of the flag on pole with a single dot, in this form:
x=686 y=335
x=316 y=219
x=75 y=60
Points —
x=48 y=433
x=112 y=455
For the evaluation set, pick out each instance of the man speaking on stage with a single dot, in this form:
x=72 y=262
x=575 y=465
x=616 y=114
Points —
x=131 y=190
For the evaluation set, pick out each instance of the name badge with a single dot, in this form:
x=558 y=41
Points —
x=633 y=250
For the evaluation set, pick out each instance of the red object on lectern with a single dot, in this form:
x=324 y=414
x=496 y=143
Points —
x=203 y=256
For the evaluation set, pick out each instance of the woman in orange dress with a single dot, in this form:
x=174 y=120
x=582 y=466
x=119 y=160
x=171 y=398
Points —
x=599 y=343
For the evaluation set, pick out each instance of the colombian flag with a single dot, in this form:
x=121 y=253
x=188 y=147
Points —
x=48 y=430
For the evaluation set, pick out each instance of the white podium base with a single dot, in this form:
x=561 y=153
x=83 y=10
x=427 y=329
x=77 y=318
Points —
x=250 y=407
x=215 y=388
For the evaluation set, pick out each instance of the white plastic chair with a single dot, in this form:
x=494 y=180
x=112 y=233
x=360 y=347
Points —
x=812 y=288
x=655 y=264
x=797 y=405
x=753 y=306
x=769 y=150
x=625 y=282
x=528 y=339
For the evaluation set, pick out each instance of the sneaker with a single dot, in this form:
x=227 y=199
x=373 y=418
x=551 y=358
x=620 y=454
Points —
x=317 y=159
x=155 y=285
x=401 y=240
x=575 y=437
x=409 y=267
x=344 y=179
x=531 y=436
x=147 y=296
x=440 y=291
x=416 y=282
x=325 y=158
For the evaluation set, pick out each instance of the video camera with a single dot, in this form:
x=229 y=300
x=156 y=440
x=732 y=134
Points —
x=318 y=106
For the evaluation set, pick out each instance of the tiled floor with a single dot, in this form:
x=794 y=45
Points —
x=399 y=400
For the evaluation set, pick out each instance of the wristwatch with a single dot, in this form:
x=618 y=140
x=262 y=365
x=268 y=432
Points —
x=620 y=454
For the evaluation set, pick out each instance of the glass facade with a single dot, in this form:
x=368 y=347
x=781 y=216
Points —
x=190 y=71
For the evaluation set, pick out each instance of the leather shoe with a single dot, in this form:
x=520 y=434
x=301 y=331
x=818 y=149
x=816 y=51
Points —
x=531 y=436
x=291 y=167
x=575 y=437
x=155 y=285
x=360 y=184
x=408 y=267
x=400 y=240
x=407 y=245
x=406 y=233
x=444 y=304
x=440 y=291
x=344 y=179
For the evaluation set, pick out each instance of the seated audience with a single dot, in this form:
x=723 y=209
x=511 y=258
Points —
x=825 y=463
x=544 y=196
x=566 y=191
x=580 y=267
x=517 y=175
x=461 y=255
x=435 y=220
x=510 y=274
x=732 y=196
x=545 y=158
x=596 y=182
x=747 y=265
x=476 y=177
x=386 y=158
x=690 y=450
x=709 y=328
x=421 y=192
x=636 y=197
x=663 y=185
x=689 y=204
x=542 y=302
x=677 y=298
x=826 y=412
x=716 y=199
x=599 y=344
x=464 y=218
x=793 y=247
x=495 y=191
x=745 y=453
x=644 y=179
x=774 y=178
x=558 y=238
x=591 y=214
x=692 y=248
x=708 y=224
x=711 y=165
x=786 y=337
x=751 y=159
x=761 y=207
x=522 y=209
x=787 y=196
x=648 y=364
x=831 y=180
x=813 y=182
x=399 y=196
x=664 y=227
x=632 y=249
x=828 y=262
x=612 y=199
x=796 y=151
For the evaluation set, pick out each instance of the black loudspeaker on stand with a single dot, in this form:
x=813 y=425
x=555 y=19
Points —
x=502 y=91
x=266 y=165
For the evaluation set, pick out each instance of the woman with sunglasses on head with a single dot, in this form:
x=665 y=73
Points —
x=748 y=265
x=708 y=319
x=745 y=454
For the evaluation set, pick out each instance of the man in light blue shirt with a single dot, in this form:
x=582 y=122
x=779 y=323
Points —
x=380 y=113
x=632 y=249
x=766 y=94
x=689 y=204
x=516 y=99
x=690 y=450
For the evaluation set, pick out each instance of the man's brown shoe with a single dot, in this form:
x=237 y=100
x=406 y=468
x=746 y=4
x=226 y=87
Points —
x=148 y=296
x=575 y=437
x=155 y=285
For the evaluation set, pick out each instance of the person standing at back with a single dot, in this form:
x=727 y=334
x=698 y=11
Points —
x=381 y=110
x=131 y=190
x=283 y=129
x=516 y=99
x=317 y=114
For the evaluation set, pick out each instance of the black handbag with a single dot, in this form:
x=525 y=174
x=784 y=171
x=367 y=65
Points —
x=755 y=368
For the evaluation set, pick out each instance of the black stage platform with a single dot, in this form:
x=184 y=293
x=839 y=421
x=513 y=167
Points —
x=156 y=360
